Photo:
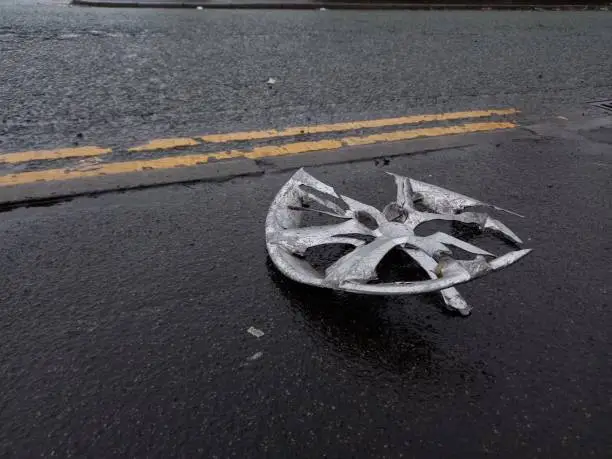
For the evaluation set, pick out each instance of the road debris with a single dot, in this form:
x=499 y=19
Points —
x=255 y=356
x=272 y=80
x=374 y=233
x=255 y=332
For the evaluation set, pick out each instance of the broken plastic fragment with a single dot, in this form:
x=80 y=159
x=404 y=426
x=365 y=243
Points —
x=287 y=240
x=255 y=332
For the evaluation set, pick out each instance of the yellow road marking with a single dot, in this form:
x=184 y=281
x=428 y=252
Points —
x=301 y=130
x=287 y=149
x=78 y=152
x=110 y=169
x=165 y=144
x=428 y=132
x=290 y=149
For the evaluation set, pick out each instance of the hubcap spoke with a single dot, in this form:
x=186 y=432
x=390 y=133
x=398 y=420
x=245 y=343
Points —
x=297 y=240
x=360 y=264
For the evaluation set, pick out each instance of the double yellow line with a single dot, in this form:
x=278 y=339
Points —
x=97 y=167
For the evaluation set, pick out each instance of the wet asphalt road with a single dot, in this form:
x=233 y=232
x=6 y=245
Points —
x=102 y=76
x=123 y=318
x=124 y=321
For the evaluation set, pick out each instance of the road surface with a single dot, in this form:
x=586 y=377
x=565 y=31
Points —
x=124 y=316
x=124 y=322
x=122 y=77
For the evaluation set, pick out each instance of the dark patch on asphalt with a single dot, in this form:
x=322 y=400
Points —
x=47 y=202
